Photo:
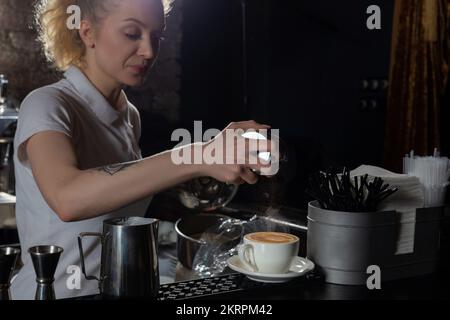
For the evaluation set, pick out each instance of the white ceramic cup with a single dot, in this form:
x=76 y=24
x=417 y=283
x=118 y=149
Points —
x=268 y=252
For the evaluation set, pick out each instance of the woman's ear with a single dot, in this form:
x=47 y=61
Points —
x=86 y=32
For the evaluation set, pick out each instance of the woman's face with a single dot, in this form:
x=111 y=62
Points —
x=127 y=40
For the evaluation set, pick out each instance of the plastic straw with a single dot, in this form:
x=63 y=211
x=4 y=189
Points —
x=433 y=173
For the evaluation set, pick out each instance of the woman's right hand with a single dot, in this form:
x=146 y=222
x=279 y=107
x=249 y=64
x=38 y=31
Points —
x=237 y=157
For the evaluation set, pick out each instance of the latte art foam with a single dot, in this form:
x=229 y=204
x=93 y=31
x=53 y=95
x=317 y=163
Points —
x=271 y=237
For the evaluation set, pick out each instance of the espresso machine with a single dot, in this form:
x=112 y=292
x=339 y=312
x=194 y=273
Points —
x=9 y=113
x=8 y=123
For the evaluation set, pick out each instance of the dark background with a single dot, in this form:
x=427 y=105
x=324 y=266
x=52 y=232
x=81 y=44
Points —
x=315 y=71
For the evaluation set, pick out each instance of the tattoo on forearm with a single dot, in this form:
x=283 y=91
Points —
x=114 y=168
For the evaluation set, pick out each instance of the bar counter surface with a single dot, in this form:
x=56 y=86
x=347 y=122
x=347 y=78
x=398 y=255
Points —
x=236 y=286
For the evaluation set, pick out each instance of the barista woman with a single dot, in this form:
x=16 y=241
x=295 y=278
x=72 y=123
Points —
x=77 y=159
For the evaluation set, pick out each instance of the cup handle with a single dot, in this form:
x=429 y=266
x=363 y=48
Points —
x=245 y=253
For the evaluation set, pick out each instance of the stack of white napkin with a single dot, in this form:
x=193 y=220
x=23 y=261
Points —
x=406 y=200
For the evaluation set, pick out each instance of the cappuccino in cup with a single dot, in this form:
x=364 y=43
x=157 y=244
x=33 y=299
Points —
x=271 y=237
x=268 y=252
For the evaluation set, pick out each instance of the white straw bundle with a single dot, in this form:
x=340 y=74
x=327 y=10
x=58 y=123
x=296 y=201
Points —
x=433 y=173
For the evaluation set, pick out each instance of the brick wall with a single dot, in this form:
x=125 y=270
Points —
x=20 y=56
x=23 y=63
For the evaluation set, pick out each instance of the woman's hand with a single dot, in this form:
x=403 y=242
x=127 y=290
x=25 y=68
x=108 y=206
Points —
x=232 y=157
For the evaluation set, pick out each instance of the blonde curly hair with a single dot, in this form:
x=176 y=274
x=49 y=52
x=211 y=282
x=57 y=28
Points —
x=63 y=46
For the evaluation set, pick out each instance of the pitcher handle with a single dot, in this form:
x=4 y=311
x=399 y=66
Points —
x=80 y=246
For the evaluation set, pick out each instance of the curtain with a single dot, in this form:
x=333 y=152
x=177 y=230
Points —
x=417 y=79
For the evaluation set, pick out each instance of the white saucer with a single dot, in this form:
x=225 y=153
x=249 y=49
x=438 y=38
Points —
x=299 y=267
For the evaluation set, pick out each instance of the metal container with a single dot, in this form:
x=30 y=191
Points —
x=344 y=244
x=129 y=261
x=45 y=260
x=189 y=230
x=8 y=260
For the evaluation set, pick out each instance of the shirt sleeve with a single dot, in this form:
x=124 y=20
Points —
x=44 y=109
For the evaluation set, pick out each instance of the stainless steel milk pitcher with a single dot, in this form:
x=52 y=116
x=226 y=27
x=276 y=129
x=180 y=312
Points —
x=129 y=258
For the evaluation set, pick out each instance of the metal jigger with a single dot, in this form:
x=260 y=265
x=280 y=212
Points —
x=8 y=258
x=45 y=259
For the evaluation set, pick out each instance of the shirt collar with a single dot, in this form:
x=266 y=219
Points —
x=95 y=100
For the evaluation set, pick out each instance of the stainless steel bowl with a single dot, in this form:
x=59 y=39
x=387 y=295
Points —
x=189 y=229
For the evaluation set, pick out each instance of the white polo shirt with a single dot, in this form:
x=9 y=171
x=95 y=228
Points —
x=100 y=135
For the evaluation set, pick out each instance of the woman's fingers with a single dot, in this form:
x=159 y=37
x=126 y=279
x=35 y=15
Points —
x=248 y=153
x=240 y=174
x=248 y=176
x=236 y=181
x=250 y=124
x=258 y=165
x=258 y=145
